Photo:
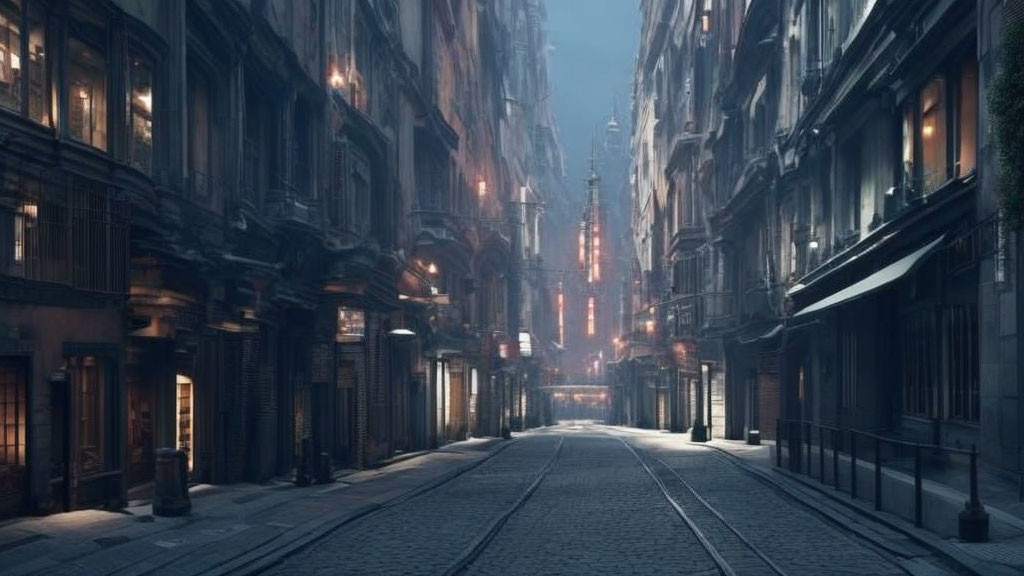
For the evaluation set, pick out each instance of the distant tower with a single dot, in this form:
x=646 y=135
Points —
x=613 y=139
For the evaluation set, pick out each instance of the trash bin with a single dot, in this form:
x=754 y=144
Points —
x=170 y=486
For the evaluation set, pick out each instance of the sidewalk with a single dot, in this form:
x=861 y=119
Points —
x=231 y=529
x=1006 y=514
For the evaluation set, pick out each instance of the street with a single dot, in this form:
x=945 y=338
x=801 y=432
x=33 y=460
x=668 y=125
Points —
x=596 y=508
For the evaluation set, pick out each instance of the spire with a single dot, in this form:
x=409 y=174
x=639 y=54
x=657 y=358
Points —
x=593 y=154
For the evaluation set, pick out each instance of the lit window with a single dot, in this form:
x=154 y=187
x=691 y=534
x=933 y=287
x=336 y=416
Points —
x=967 y=149
x=909 y=129
x=10 y=55
x=933 y=134
x=38 y=91
x=351 y=325
x=87 y=94
x=140 y=112
x=13 y=379
x=590 y=316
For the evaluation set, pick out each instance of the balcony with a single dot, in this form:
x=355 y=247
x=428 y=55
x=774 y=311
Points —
x=440 y=223
x=717 y=310
x=290 y=209
x=78 y=237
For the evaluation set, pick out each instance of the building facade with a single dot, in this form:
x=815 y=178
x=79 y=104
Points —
x=805 y=172
x=262 y=233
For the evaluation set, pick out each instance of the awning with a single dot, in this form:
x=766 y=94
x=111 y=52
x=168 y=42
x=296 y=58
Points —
x=874 y=282
x=771 y=333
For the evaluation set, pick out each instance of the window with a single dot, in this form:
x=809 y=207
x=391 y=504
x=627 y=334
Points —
x=12 y=415
x=917 y=344
x=909 y=129
x=38 y=90
x=140 y=113
x=351 y=325
x=87 y=90
x=199 y=133
x=10 y=55
x=967 y=145
x=89 y=381
x=962 y=362
x=933 y=134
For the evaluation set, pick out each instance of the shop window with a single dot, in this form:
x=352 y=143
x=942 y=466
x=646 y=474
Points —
x=962 y=362
x=185 y=411
x=199 y=133
x=140 y=113
x=12 y=415
x=917 y=345
x=10 y=55
x=89 y=381
x=351 y=325
x=967 y=146
x=87 y=93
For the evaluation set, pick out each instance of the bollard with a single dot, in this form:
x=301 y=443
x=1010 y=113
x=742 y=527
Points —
x=878 y=474
x=170 y=485
x=917 y=485
x=973 y=520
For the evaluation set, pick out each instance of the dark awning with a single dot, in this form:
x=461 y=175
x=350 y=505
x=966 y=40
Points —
x=874 y=282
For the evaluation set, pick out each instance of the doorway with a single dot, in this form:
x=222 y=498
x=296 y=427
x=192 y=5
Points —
x=13 y=442
x=185 y=418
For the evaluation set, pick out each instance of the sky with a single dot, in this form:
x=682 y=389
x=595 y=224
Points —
x=593 y=44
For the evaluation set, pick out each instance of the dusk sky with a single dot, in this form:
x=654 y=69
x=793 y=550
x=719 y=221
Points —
x=593 y=45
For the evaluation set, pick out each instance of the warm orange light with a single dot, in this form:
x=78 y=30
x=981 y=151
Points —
x=431 y=268
x=927 y=130
x=583 y=245
x=481 y=188
x=561 y=316
x=705 y=22
x=336 y=80
x=590 y=316
x=650 y=326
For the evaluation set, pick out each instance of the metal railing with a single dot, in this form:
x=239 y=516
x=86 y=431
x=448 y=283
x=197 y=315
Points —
x=883 y=453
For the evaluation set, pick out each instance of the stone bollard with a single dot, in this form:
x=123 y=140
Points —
x=170 y=485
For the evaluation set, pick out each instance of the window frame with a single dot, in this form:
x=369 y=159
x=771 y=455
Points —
x=95 y=36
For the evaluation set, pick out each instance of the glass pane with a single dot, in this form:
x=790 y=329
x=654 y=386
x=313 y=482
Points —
x=140 y=98
x=38 y=95
x=968 y=146
x=10 y=55
x=933 y=134
x=87 y=96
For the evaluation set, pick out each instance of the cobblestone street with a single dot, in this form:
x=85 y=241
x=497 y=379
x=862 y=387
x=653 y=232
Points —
x=599 y=510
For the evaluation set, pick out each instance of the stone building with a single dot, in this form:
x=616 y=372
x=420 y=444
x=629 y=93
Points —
x=257 y=232
x=829 y=226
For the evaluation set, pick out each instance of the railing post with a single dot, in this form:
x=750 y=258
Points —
x=778 y=443
x=917 y=485
x=853 y=465
x=835 y=457
x=821 y=454
x=973 y=520
x=808 y=426
x=878 y=474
